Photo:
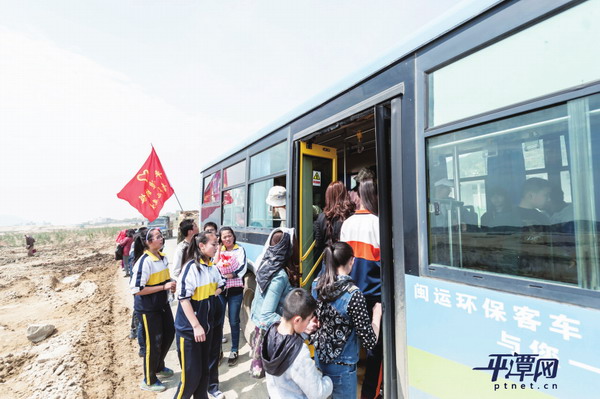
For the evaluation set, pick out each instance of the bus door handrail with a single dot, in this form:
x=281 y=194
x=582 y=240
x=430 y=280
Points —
x=314 y=267
x=312 y=246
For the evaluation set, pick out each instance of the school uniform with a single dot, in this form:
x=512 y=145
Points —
x=153 y=311
x=215 y=339
x=198 y=283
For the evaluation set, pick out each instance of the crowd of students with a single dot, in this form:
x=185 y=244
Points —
x=342 y=310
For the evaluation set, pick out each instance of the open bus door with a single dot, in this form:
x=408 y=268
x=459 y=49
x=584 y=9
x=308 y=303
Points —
x=318 y=168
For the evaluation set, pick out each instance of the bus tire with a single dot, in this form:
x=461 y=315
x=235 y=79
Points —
x=246 y=325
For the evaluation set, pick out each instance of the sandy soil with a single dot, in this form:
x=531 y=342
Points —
x=75 y=284
x=77 y=287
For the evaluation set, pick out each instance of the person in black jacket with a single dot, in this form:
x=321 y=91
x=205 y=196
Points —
x=29 y=242
x=338 y=208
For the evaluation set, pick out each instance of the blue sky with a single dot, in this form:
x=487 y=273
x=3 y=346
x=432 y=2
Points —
x=86 y=86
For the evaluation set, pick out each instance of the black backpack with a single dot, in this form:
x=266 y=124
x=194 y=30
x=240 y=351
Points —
x=119 y=252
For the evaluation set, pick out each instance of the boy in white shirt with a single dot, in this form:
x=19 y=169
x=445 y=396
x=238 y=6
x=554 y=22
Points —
x=290 y=371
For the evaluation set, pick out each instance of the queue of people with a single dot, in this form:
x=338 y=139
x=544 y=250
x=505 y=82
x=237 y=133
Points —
x=206 y=277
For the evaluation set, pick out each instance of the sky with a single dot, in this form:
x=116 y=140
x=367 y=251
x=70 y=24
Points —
x=86 y=87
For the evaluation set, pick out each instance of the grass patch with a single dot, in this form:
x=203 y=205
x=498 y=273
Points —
x=62 y=236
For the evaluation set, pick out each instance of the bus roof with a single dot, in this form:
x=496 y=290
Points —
x=454 y=17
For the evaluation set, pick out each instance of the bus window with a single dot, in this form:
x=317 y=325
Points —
x=562 y=59
x=234 y=201
x=520 y=196
x=261 y=215
x=234 y=175
x=211 y=196
x=212 y=188
x=270 y=161
x=266 y=163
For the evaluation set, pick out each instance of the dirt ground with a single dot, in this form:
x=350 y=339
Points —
x=74 y=284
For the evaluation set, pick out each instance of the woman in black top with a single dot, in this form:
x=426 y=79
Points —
x=338 y=208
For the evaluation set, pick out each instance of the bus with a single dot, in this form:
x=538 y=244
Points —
x=484 y=132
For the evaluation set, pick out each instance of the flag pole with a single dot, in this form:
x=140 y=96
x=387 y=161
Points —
x=175 y=194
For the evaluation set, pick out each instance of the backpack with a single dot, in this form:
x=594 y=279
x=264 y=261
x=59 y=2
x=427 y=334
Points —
x=119 y=252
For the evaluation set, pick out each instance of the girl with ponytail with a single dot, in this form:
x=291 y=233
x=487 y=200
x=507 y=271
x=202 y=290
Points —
x=344 y=319
x=199 y=285
x=150 y=282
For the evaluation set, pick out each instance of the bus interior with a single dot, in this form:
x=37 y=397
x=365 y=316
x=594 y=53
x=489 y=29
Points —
x=351 y=143
x=502 y=196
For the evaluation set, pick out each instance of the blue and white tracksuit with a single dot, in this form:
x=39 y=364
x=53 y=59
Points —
x=153 y=310
x=197 y=283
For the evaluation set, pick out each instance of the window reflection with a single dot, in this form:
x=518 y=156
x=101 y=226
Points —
x=212 y=188
x=233 y=207
x=520 y=196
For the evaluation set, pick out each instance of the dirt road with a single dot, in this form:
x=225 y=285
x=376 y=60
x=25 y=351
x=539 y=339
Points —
x=78 y=287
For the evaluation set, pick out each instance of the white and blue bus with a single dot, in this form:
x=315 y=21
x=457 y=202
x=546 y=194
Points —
x=484 y=131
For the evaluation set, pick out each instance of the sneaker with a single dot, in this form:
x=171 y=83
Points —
x=166 y=372
x=217 y=395
x=224 y=340
x=156 y=387
x=233 y=359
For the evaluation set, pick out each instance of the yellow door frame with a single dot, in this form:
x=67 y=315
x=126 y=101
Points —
x=317 y=151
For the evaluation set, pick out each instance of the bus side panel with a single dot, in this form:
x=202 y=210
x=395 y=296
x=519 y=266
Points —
x=454 y=329
x=252 y=251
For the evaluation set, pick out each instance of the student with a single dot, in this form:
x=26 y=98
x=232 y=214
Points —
x=198 y=291
x=363 y=174
x=361 y=232
x=535 y=238
x=215 y=354
x=188 y=229
x=126 y=243
x=500 y=213
x=272 y=285
x=150 y=281
x=291 y=373
x=136 y=324
x=232 y=265
x=338 y=207
x=343 y=317
x=536 y=195
x=210 y=227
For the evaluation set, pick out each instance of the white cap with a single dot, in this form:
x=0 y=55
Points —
x=444 y=182
x=276 y=196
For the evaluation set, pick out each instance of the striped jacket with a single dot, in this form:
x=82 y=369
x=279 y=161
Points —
x=361 y=232
x=198 y=282
x=149 y=271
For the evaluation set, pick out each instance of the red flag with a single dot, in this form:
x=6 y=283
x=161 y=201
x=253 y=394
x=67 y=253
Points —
x=149 y=189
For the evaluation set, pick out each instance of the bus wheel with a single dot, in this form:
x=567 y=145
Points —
x=246 y=325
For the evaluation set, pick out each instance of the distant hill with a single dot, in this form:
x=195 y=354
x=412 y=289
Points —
x=112 y=222
x=9 y=220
